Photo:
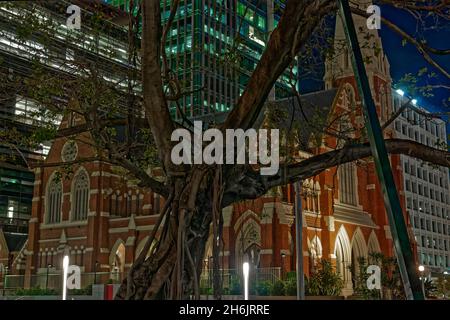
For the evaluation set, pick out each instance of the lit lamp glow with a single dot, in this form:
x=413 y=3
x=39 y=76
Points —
x=400 y=92
x=414 y=101
x=246 y=268
x=421 y=268
x=65 y=267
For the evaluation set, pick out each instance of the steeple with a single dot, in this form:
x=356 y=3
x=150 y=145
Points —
x=340 y=67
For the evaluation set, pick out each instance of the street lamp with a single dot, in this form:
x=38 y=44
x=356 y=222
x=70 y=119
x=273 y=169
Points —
x=46 y=279
x=95 y=272
x=4 y=280
x=246 y=268
x=283 y=255
x=65 y=270
x=422 y=269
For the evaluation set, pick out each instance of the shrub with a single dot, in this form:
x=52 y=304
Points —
x=36 y=291
x=277 y=288
x=235 y=285
x=263 y=288
x=207 y=291
x=87 y=291
x=324 y=281
x=290 y=286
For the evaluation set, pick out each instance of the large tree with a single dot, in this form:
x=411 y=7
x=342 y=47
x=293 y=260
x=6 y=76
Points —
x=196 y=194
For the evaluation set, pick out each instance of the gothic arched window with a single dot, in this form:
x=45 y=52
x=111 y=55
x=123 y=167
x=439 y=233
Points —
x=80 y=196
x=53 y=199
x=347 y=184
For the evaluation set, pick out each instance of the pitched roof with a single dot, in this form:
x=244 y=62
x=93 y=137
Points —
x=308 y=116
x=15 y=241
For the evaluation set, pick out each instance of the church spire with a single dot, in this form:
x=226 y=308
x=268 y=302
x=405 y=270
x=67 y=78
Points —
x=339 y=66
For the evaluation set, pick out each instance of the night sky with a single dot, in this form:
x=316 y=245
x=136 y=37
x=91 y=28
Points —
x=405 y=59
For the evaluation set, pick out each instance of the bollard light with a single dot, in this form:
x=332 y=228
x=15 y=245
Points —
x=246 y=268
x=421 y=268
x=65 y=269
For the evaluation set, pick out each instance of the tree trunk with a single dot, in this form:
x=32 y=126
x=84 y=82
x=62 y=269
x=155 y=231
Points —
x=172 y=270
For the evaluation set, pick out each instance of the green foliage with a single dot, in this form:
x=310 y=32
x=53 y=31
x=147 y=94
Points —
x=87 y=291
x=324 y=281
x=36 y=291
x=443 y=286
x=430 y=288
x=277 y=288
x=391 y=283
x=263 y=288
x=235 y=285
x=206 y=291
x=290 y=286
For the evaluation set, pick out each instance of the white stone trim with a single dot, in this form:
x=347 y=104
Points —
x=266 y=251
x=227 y=213
x=118 y=230
x=387 y=232
x=58 y=239
x=66 y=224
x=241 y=219
x=145 y=228
x=329 y=222
x=267 y=213
x=370 y=186
x=225 y=253
x=104 y=250
x=130 y=241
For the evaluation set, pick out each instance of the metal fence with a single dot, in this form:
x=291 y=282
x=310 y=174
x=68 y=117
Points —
x=229 y=276
x=54 y=280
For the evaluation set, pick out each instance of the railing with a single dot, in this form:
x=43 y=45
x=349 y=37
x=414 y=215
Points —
x=54 y=280
x=234 y=275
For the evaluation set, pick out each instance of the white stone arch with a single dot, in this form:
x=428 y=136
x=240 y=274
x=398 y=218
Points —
x=315 y=246
x=359 y=250
x=343 y=252
x=359 y=244
x=117 y=259
x=53 y=199
x=315 y=252
x=373 y=246
x=349 y=97
x=80 y=195
x=248 y=243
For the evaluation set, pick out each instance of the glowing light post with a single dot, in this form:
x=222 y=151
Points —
x=245 y=269
x=422 y=269
x=65 y=269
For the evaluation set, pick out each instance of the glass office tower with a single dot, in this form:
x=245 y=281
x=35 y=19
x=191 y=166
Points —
x=213 y=48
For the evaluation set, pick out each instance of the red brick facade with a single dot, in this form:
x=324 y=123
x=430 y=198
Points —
x=336 y=226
